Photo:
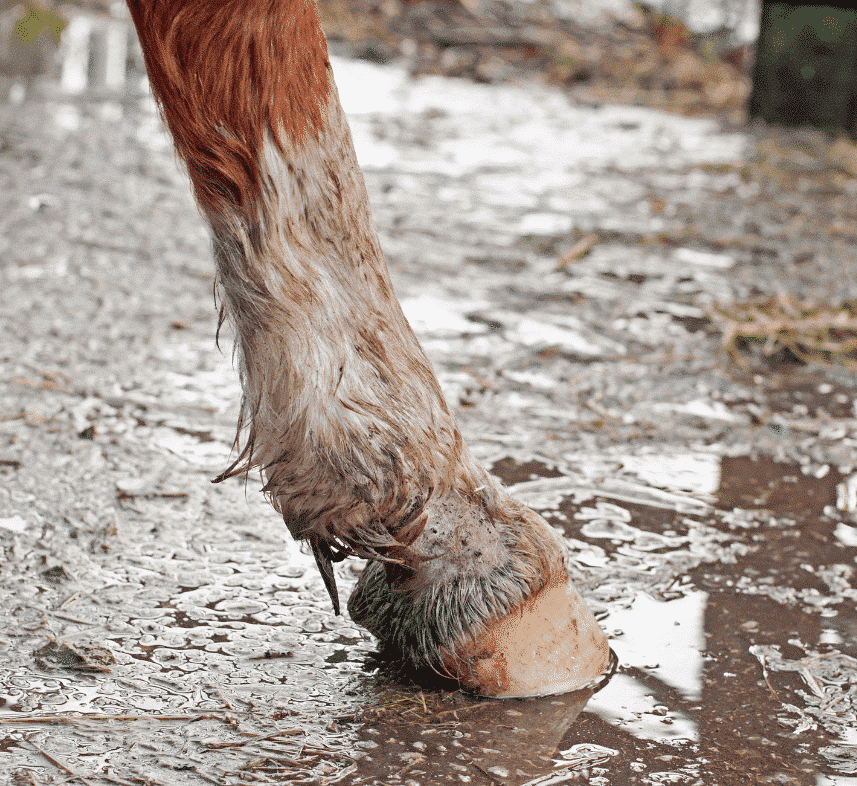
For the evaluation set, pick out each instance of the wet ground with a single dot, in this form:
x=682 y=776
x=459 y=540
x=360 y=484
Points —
x=558 y=260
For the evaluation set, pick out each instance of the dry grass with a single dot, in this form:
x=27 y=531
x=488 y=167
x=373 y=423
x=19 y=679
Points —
x=785 y=326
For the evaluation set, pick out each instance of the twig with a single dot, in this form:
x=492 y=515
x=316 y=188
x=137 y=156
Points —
x=279 y=759
x=311 y=749
x=252 y=739
x=295 y=760
x=768 y=681
x=44 y=384
x=463 y=707
x=350 y=770
x=114 y=779
x=31 y=779
x=421 y=759
x=61 y=764
x=579 y=250
x=485 y=772
x=85 y=717
x=206 y=776
x=69 y=600
x=69 y=618
x=359 y=780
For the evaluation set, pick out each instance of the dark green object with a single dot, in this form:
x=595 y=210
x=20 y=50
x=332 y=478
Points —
x=36 y=20
x=805 y=73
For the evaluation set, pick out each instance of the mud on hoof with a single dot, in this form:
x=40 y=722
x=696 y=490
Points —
x=488 y=602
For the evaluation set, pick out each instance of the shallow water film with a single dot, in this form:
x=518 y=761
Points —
x=558 y=261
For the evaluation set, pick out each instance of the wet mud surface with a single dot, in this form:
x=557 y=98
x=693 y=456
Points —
x=158 y=629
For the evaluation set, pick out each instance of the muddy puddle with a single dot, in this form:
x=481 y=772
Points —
x=158 y=629
x=734 y=625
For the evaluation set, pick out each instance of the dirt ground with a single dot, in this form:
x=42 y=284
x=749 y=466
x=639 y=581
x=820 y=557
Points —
x=573 y=278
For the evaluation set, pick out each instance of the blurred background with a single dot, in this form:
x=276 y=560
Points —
x=687 y=56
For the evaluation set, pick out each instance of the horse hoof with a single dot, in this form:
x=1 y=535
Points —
x=463 y=610
x=550 y=644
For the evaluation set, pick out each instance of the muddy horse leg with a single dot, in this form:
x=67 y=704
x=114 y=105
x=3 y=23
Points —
x=341 y=411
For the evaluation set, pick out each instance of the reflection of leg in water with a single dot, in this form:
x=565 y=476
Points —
x=342 y=413
x=451 y=736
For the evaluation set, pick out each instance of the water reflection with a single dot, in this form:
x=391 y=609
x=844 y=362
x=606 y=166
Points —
x=664 y=642
x=687 y=675
x=698 y=473
x=508 y=741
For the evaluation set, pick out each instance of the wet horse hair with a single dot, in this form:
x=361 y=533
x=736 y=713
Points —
x=341 y=413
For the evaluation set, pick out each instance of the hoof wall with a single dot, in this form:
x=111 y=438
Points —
x=550 y=644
